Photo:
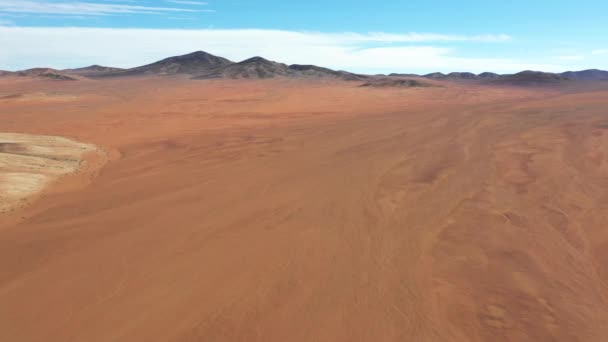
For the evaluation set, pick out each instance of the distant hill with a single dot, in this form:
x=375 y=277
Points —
x=195 y=63
x=436 y=76
x=462 y=75
x=6 y=73
x=530 y=78
x=403 y=75
x=93 y=70
x=47 y=73
x=524 y=78
x=586 y=75
x=395 y=83
x=487 y=75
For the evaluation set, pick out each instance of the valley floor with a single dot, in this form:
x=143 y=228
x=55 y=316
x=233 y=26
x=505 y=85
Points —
x=301 y=211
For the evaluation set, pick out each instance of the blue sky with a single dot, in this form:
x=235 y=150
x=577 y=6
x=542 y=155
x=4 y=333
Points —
x=362 y=36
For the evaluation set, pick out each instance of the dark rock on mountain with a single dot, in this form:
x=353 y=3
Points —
x=314 y=71
x=4 y=73
x=586 y=75
x=195 y=63
x=46 y=73
x=93 y=70
x=261 y=68
x=395 y=83
x=256 y=68
x=488 y=75
x=530 y=78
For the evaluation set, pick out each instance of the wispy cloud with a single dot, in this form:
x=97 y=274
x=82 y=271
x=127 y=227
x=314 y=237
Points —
x=187 y=2
x=571 y=57
x=414 y=37
x=82 y=8
x=600 y=52
x=24 y=47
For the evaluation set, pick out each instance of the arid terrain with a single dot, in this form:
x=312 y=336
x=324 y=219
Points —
x=307 y=210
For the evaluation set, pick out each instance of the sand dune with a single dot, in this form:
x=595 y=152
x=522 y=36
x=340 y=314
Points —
x=302 y=211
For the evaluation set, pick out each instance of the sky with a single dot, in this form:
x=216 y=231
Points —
x=406 y=36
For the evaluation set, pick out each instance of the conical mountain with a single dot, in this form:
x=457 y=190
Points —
x=193 y=64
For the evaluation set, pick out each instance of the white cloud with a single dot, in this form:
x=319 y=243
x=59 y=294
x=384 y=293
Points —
x=187 y=2
x=600 y=52
x=81 y=8
x=25 y=47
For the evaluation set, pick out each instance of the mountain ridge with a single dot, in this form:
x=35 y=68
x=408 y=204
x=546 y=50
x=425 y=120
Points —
x=203 y=65
x=92 y=70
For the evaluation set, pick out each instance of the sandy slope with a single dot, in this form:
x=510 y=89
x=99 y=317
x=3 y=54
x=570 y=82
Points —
x=291 y=211
x=29 y=163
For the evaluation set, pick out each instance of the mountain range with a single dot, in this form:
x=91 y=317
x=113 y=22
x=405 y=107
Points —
x=526 y=76
x=202 y=65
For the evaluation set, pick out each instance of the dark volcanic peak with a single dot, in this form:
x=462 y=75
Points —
x=46 y=73
x=92 y=70
x=587 y=75
x=530 y=78
x=195 y=63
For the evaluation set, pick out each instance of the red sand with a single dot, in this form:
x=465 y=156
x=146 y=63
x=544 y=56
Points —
x=298 y=211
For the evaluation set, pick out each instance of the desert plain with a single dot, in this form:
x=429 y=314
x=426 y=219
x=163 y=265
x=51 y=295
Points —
x=299 y=210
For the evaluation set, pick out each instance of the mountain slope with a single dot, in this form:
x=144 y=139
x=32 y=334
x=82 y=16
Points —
x=47 y=73
x=255 y=67
x=388 y=82
x=488 y=75
x=320 y=72
x=261 y=68
x=93 y=70
x=530 y=78
x=195 y=63
x=587 y=75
